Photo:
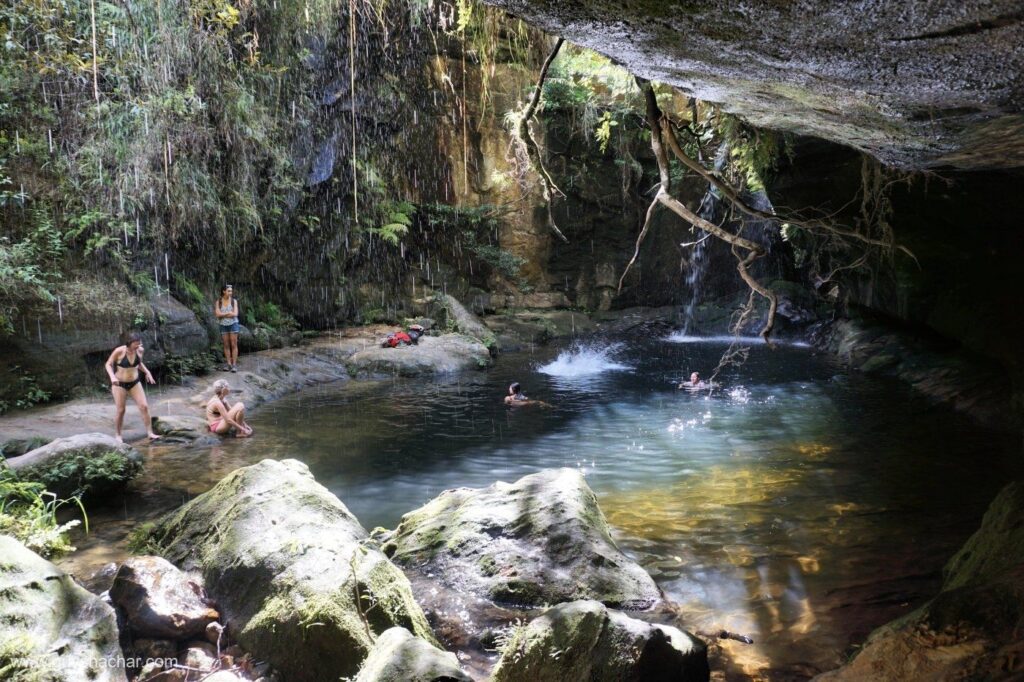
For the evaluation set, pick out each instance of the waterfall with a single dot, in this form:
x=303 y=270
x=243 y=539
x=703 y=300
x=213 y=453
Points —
x=714 y=210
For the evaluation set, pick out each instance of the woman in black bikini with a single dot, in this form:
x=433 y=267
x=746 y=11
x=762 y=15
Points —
x=125 y=369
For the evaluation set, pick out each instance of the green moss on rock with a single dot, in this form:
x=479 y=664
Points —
x=291 y=569
x=996 y=546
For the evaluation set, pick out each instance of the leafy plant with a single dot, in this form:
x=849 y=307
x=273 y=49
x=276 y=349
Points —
x=31 y=393
x=399 y=217
x=29 y=513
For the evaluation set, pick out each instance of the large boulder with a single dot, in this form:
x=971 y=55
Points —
x=432 y=355
x=971 y=630
x=585 y=640
x=159 y=601
x=179 y=331
x=90 y=464
x=465 y=322
x=58 y=351
x=540 y=540
x=967 y=633
x=995 y=547
x=398 y=656
x=50 y=628
x=289 y=568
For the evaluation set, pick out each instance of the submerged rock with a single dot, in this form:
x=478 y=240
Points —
x=540 y=540
x=177 y=426
x=943 y=374
x=92 y=464
x=584 y=640
x=399 y=657
x=288 y=566
x=159 y=601
x=433 y=355
x=50 y=628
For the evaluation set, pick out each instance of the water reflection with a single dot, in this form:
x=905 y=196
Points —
x=796 y=505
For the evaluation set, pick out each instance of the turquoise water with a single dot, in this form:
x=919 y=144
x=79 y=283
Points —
x=795 y=503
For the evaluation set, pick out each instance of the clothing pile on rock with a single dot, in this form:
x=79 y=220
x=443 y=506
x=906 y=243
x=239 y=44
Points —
x=406 y=338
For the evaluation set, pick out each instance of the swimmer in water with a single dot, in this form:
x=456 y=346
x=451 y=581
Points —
x=516 y=397
x=515 y=394
x=694 y=382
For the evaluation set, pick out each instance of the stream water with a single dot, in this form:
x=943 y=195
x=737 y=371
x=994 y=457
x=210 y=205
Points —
x=796 y=504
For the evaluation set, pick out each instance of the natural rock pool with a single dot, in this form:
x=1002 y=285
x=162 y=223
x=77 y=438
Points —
x=796 y=504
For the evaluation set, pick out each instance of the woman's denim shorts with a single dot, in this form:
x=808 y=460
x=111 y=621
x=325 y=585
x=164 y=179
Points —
x=230 y=328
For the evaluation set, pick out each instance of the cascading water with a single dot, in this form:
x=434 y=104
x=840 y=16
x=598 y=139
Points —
x=697 y=267
x=714 y=210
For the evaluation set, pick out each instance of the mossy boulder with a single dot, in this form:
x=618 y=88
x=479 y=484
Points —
x=540 y=540
x=51 y=629
x=465 y=322
x=398 y=656
x=88 y=464
x=584 y=640
x=971 y=630
x=966 y=633
x=995 y=547
x=291 y=570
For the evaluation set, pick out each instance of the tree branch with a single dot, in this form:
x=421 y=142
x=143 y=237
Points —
x=655 y=119
x=525 y=137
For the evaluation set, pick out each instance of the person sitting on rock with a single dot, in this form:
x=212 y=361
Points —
x=222 y=417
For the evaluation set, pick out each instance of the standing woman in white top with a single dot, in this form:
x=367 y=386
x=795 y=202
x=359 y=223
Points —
x=226 y=312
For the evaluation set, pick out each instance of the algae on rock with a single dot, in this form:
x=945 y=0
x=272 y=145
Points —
x=291 y=569
x=51 y=629
x=584 y=640
x=540 y=540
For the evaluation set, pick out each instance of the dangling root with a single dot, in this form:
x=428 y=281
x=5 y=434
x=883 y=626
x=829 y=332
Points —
x=739 y=244
x=528 y=146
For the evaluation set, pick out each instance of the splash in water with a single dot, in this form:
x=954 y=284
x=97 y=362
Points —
x=584 y=361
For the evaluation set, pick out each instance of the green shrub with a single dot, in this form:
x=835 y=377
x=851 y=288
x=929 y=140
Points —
x=29 y=513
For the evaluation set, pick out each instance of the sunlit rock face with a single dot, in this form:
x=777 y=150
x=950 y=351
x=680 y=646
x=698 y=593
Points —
x=914 y=84
x=50 y=628
x=584 y=640
x=279 y=553
x=540 y=540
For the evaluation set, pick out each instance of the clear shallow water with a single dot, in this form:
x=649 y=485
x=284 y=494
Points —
x=796 y=504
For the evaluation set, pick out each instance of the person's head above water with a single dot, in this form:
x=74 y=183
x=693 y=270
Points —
x=515 y=388
x=695 y=378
